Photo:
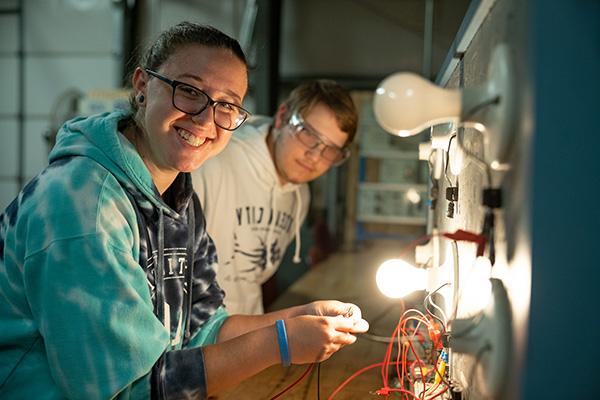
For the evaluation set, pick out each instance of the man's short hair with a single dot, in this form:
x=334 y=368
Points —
x=328 y=92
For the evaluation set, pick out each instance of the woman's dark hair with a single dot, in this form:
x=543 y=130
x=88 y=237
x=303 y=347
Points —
x=182 y=34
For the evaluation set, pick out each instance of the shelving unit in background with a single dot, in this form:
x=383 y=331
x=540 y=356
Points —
x=392 y=182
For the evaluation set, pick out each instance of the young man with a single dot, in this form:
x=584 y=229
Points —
x=255 y=194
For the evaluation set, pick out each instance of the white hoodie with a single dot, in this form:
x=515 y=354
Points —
x=250 y=216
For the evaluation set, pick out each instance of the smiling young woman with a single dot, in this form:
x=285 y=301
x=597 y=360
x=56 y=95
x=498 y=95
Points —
x=115 y=296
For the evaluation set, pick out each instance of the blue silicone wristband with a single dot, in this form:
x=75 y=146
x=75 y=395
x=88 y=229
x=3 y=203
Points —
x=284 y=350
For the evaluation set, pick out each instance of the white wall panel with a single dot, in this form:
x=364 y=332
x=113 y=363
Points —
x=48 y=77
x=67 y=44
x=71 y=26
x=10 y=145
x=9 y=30
x=9 y=78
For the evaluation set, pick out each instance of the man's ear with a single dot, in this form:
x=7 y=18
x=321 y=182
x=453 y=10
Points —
x=279 y=122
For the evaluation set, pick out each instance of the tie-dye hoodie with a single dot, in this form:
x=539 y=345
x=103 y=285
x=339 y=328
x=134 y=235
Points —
x=94 y=271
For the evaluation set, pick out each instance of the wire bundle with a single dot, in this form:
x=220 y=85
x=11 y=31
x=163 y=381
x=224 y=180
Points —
x=411 y=370
x=418 y=377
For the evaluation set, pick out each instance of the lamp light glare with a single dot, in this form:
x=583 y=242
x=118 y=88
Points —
x=478 y=289
x=413 y=196
x=456 y=158
x=479 y=126
x=396 y=278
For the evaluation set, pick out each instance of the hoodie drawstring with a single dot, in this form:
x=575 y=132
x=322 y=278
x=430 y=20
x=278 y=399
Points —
x=298 y=242
x=159 y=270
x=190 y=260
x=159 y=278
x=297 y=258
x=270 y=228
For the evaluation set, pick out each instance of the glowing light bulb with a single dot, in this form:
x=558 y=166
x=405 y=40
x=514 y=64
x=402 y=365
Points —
x=396 y=278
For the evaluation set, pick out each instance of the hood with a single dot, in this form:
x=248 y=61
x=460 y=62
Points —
x=98 y=138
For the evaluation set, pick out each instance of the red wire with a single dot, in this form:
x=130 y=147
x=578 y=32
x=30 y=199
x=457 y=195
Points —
x=354 y=375
x=387 y=357
x=401 y=360
x=410 y=345
x=414 y=332
x=458 y=235
x=402 y=351
x=310 y=367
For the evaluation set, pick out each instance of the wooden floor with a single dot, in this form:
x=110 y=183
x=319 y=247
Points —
x=347 y=277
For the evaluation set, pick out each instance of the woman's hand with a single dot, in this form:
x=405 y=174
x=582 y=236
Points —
x=316 y=338
x=335 y=308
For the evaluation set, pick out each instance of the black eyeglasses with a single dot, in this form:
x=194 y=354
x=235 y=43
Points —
x=191 y=100
x=312 y=139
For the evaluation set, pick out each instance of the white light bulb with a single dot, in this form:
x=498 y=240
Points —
x=406 y=104
x=396 y=278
